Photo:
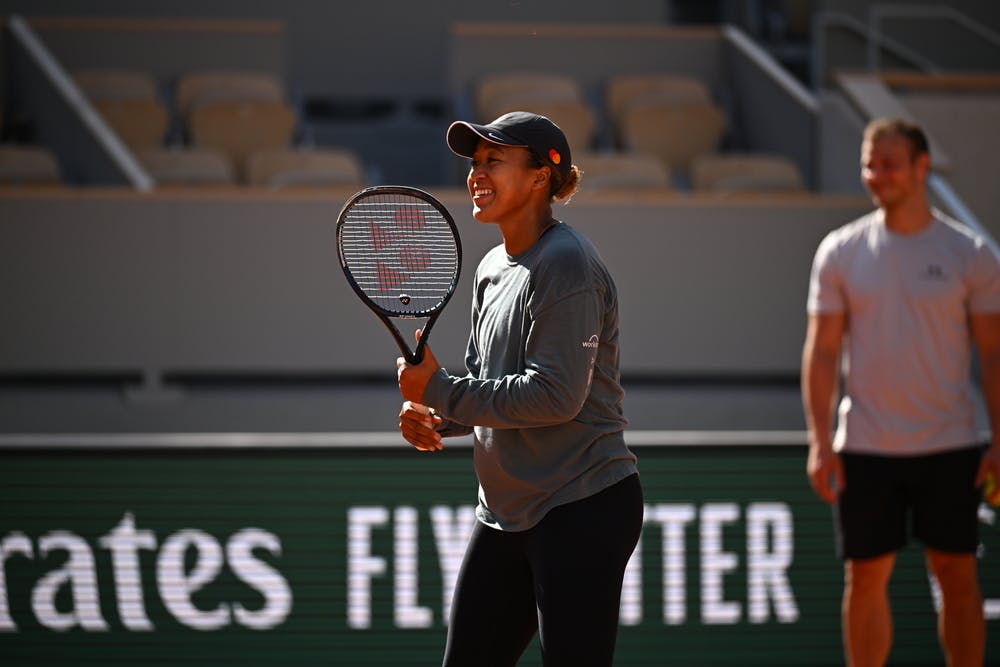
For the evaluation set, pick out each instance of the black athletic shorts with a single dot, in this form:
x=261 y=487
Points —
x=887 y=498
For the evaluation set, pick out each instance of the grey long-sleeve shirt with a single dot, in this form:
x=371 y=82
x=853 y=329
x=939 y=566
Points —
x=542 y=392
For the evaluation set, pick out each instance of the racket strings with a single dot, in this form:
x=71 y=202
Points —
x=401 y=252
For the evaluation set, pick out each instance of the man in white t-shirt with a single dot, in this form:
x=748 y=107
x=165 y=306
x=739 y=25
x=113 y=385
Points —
x=908 y=292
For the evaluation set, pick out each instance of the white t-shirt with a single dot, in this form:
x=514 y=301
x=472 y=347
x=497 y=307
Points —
x=907 y=298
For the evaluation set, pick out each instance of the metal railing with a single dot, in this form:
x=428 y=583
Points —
x=879 y=12
x=956 y=208
x=876 y=42
x=113 y=156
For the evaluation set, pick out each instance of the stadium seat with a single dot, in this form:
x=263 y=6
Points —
x=240 y=128
x=622 y=171
x=555 y=96
x=129 y=102
x=116 y=84
x=744 y=172
x=494 y=93
x=28 y=165
x=674 y=132
x=187 y=166
x=304 y=168
x=574 y=117
x=626 y=90
x=139 y=123
x=196 y=88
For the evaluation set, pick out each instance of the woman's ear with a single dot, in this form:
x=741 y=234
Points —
x=542 y=177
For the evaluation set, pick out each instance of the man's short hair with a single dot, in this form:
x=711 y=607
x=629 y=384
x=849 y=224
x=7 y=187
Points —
x=913 y=133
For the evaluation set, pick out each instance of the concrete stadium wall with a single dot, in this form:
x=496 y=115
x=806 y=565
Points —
x=165 y=48
x=109 y=282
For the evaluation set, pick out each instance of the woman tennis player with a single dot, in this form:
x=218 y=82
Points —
x=560 y=504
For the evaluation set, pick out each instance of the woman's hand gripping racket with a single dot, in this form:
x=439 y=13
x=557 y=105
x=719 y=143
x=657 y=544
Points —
x=400 y=250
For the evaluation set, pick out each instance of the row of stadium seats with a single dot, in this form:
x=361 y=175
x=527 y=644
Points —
x=302 y=168
x=28 y=164
x=670 y=117
x=221 y=128
x=214 y=127
x=282 y=168
x=311 y=168
x=238 y=127
x=235 y=111
x=719 y=173
x=225 y=116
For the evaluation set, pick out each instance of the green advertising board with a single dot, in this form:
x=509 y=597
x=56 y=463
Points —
x=340 y=549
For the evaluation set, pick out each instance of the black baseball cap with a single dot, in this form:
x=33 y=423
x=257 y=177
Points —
x=518 y=128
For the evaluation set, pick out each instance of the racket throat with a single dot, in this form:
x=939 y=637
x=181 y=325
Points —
x=414 y=354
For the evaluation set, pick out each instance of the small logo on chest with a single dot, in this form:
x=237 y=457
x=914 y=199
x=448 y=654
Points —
x=934 y=272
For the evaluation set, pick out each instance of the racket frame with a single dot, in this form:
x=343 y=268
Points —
x=416 y=355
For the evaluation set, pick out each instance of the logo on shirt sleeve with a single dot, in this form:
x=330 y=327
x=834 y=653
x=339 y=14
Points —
x=592 y=342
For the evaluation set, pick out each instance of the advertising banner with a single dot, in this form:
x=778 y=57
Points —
x=224 y=549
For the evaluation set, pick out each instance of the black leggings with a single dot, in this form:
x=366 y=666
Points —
x=561 y=578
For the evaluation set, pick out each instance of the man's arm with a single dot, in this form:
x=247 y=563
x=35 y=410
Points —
x=985 y=328
x=820 y=379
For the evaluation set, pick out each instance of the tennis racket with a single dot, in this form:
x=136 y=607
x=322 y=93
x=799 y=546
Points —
x=400 y=250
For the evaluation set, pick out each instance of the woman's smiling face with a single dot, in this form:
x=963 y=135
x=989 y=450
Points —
x=500 y=181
